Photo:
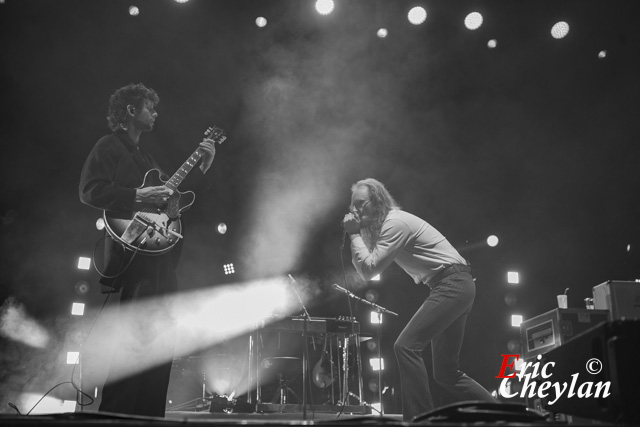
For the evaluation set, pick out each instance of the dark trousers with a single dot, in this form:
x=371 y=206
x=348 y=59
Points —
x=147 y=326
x=440 y=320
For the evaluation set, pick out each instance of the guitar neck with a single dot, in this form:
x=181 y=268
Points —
x=184 y=170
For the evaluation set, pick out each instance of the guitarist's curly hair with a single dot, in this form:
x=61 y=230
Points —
x=131 y=94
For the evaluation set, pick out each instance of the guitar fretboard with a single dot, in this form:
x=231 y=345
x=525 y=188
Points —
x=184 y=170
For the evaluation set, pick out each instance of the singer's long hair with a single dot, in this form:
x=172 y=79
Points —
x=382 y=202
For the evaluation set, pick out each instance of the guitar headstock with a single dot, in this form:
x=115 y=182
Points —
x=215 y=133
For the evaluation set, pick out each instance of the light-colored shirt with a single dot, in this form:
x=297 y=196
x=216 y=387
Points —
x=416 y=246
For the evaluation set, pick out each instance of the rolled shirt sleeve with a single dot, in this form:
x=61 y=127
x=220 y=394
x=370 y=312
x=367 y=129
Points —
x=393 y=238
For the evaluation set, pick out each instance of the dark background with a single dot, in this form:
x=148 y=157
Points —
x=535 y=141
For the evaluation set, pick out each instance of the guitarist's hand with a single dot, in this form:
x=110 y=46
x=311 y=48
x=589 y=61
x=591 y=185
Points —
x=209 y=152
x=158 y=194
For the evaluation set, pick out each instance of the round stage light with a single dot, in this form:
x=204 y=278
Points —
x=491 y=44
x=100 y=224
x=382 y=33
x=417 y=15
x=134 y=11
x=473 y=21
x=222 y=228
x=602 y=54
x=324 y=7
x=492 y=241
x=261 y=21
x=560 y=30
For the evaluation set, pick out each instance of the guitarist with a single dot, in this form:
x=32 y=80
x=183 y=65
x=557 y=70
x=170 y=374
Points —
x=109 y=181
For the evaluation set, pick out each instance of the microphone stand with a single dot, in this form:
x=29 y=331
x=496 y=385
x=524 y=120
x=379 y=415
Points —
x=305 y=350
x=379 y=309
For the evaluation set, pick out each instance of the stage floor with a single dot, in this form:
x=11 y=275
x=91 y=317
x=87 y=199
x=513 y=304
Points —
x=290 y=418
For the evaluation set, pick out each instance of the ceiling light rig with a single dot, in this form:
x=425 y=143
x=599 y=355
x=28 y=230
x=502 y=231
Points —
x=325 y=7
x=417 y=15
x=560 y=30
x=473 y=21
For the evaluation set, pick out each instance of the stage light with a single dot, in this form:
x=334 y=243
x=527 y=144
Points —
x=82 y=287
x=492 y=241
x=491 y=44
x=324 y=7
x=382 y=33
x=377 y=364
x=376 y=318
x=261 y=21
x=559 y=30
x=375 y=278
x=222 y=228
x=510 y=299
x=602 y=54
x=229 y=269
x=45 y=405
x=629 y=247
x=134 y=11
x=513 y=277
x=473 y=21
x=73 y=357
x=516 y=320
x=100 y=223
x=371 y=295
x=77 y=309
x=417 y=15
x=84 y=263
x=181 y=1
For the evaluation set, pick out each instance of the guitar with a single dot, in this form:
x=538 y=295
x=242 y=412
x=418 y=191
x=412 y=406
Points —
x=323 y=370
x=156 y=229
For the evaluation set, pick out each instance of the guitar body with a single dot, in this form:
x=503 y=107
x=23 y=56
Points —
x=323 y=370
x=153 y=229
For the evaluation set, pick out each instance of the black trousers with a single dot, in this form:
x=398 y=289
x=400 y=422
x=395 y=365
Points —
x=146 y=330
x=440 y=320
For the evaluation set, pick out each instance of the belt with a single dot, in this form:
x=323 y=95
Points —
x=447 y=271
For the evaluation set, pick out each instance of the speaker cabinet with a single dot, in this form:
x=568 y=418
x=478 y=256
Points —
x=622 y=299
x=553 y=328
x=616 y=346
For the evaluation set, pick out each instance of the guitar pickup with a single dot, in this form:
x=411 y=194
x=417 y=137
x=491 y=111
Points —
x=133 y=231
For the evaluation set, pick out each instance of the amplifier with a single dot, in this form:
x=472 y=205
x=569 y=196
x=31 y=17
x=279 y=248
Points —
x=615 y=345
x=553 y=328
x=621 y=299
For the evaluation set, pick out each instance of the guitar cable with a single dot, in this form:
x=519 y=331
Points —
x=95 y=266
x=79 y=392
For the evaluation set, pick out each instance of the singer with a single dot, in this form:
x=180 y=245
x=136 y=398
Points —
x=381 y=233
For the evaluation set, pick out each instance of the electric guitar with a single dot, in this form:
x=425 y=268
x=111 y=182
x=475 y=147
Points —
x=155 y=229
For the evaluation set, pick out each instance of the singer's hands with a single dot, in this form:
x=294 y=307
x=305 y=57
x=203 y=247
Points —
x=351 y=223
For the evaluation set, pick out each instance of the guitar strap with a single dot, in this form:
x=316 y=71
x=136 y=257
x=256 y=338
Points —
x=141 y=160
